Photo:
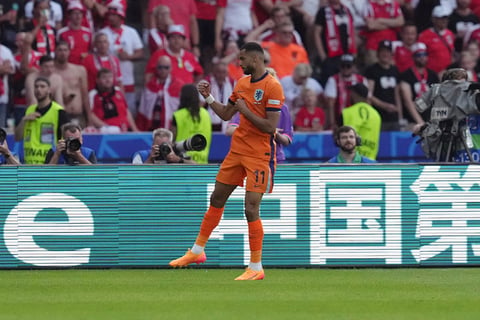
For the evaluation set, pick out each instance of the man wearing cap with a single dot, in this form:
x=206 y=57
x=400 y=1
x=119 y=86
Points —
x=439 y=41
x=77 y=36
x=126 y=44
x=364 y=119
x=382 y=83
x=415 y=81
x=185 y=65
x=336 y=90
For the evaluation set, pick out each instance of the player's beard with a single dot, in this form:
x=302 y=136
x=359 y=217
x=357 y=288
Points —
x=248 y=70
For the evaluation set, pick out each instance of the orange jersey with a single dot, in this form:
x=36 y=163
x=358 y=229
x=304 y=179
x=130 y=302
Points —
x=284 y=58
x=262 y=95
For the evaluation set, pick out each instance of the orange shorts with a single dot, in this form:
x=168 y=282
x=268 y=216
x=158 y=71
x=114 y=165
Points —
x=235 y=167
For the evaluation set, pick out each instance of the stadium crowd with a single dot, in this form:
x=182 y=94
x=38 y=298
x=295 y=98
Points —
x=118 y=66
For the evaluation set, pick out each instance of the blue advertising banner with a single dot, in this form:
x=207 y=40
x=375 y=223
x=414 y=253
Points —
x=306 y=147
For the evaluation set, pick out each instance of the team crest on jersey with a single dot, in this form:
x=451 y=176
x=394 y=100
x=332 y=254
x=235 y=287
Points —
x=258 y=95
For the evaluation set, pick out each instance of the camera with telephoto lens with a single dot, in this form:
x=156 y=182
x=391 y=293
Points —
x=73 y=144
x=197 y=142
x=3 y=135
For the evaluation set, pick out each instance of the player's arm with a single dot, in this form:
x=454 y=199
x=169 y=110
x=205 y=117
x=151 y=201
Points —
x=267 y=125
x=225 y=112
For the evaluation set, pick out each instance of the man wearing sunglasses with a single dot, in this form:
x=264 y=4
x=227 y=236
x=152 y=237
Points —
x=160 y=98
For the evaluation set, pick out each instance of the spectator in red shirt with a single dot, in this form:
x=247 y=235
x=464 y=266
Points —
x=101 y=58
x=185 y=65
x=402 y=49
x=160 y=97
x=26 y=62
x=77 y=36
x=382 y=18
x=310 y=117
x=210 y=16
x=157 y=35
x=439 y=41
x=183 y=12
x=109 y=107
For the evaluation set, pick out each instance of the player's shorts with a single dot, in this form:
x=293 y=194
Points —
x=235 y=167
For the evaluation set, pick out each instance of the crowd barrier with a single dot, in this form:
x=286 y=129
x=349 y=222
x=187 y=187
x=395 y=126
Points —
x=122 y=216
x=397 y=146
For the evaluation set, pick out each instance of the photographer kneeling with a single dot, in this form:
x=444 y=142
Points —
x=69 y=150
x=163 y=150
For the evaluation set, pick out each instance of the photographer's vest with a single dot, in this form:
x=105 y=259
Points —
x=367 y=122
x=187 y=127
x=41 y=134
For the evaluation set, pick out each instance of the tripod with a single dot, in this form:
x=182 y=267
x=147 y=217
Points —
x=450 y=139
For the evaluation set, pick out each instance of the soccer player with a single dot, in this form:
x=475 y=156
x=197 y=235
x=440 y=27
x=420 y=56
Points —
x=259 y=98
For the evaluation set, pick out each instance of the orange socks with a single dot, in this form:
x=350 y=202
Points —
x=255 y=236
x=210 y=221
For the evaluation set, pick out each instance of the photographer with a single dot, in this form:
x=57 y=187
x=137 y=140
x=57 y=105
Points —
x=162 y=150
x=69 y=150
x=6 y=157
x=446 y=106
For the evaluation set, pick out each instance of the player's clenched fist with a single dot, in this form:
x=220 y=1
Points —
x=204 y=88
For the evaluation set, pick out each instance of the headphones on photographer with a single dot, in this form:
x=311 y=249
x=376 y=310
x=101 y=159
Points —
x=336 y=136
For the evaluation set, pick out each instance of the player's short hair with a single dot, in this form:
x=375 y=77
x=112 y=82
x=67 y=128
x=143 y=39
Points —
x=252 y=47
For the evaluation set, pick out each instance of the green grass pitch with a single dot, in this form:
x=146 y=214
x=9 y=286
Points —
x=450 y=293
